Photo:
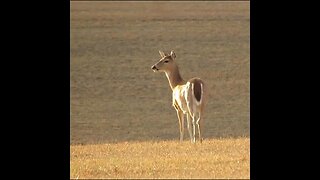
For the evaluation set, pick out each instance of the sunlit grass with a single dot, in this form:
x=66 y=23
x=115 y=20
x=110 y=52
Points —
x=214 y=158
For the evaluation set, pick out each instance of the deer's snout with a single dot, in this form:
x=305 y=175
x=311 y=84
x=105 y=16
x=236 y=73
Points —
x=154 y=68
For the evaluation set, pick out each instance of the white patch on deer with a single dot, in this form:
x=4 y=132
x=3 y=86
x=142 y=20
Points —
x=179 y=97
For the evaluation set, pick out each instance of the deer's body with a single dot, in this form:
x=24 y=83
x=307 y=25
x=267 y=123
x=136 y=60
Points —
x=188 y=97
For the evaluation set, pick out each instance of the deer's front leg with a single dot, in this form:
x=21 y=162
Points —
x=180 y=119
x=181 y=123
x=189 y=125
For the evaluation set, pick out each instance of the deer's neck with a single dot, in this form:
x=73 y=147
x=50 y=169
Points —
x=174 y=77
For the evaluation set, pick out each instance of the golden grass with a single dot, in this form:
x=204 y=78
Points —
x=214 y=158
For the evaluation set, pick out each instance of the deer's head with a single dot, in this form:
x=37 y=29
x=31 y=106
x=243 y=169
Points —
x=166 y=63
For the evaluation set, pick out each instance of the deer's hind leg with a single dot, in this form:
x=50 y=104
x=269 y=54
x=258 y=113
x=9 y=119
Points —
x=199 y=124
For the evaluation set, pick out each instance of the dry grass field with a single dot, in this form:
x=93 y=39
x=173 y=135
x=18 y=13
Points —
x=122 y=121
x=216 y=158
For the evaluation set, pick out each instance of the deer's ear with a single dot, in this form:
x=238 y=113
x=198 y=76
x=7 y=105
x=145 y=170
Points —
x=173 y=55
x=162 y=54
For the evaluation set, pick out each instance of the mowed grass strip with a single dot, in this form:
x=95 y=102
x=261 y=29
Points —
x=214 y=158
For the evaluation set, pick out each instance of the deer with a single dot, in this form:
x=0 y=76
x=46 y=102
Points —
x=188 y=97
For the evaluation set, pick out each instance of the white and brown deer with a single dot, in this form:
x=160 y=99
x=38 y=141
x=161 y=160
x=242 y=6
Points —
x=188 y=97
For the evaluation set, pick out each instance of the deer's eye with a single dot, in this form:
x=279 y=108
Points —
x=166 y=61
